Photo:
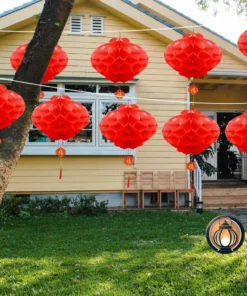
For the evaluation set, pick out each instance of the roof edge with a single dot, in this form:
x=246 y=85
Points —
x=153 y=16
x=192 y=20
x=19 y=7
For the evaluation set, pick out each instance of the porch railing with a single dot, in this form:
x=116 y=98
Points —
x=198 y=181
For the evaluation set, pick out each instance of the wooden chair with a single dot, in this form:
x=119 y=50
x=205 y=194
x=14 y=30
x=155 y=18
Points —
x=130 y=186
x=181 y=186
x=148 y=185
x=166 y=185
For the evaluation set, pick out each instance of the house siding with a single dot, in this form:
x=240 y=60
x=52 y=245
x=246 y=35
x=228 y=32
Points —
x=39 y=174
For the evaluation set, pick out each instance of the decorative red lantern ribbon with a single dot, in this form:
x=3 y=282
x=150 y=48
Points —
x=193 y=55
x=12 y=106
x=128 y=127
x=60 y=119
x=236 y=132
x=57 y=64
x=119 y=60
x=191 y=132
x=242 y=43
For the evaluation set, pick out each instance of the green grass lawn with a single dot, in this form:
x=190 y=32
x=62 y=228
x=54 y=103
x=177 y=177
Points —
x=132 y=253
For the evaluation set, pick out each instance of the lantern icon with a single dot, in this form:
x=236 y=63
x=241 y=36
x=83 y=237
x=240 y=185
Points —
x=225 y=234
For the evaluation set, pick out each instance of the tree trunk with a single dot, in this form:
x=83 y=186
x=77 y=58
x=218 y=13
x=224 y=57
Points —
x=49 y=29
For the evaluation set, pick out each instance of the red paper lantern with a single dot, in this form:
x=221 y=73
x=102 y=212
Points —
x=128 y=126
x=191 y=132
x=242 y=43
x=61 y=152
x=236 y=132
x=129 y=160
x=119 y=60
x=193 y=89
x=191 y=166
x=60 y=118
x=57 y=64
x=12 y=107
x=119 y=94
x=193 y=55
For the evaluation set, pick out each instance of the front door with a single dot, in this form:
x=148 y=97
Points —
x=227 y=159
x=212 y=159
x=228 y=155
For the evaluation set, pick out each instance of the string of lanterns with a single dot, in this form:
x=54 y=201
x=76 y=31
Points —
x=129 y=127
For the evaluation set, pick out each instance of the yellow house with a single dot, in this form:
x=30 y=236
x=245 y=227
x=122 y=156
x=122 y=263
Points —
x=92 y=164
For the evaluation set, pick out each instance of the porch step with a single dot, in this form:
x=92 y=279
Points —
x=224 y=198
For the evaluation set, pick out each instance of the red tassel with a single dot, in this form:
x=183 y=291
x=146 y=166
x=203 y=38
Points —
x=191 y=187
x=61 y=173
x=128 y=185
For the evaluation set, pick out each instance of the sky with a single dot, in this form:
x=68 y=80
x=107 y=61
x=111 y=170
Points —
x=226 y=23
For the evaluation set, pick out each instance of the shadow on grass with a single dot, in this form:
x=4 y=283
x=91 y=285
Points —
x=151 y=253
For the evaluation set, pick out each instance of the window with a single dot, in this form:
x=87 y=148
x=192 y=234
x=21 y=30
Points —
x=97 y=25
x=99 y=99
x=76 y=24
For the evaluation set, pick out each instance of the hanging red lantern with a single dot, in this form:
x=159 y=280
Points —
x=61 y=152
x=12 y=107
x=193 y=89
x=236 y=132
x=129 y=160
x=41 y=95
x=57 y=64
x=191 y=132
x=128 y=126
x=1 y=141
x=119 y=60
x=60 y=118
x=191 y=166
x=119 y=94
x=193 y=55
x=242 y=43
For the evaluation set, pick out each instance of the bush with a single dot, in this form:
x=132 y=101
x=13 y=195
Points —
x=25 y=206
x=13 y=205
x=88 y=205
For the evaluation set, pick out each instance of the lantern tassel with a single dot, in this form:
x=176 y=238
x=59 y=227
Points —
x=191 y=187
x=61 y=169
x=128 y=185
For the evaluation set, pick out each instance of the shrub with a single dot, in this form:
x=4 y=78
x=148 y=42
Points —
x=25 y=206
x=13 y=205
x=88 y=205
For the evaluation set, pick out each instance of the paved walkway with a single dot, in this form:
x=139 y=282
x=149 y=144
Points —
x=240 y=214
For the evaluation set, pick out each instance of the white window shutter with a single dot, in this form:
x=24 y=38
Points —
x=76 y=24
x=97 y=25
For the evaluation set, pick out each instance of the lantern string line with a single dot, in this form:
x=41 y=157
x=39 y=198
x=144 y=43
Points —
x=126 y=97
x=114 y=31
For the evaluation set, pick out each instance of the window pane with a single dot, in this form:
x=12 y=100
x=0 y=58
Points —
x=84 y=136
x=49 y=88
x=111 y=89
x=108 y=107
x=35 y=136
x=82 y=87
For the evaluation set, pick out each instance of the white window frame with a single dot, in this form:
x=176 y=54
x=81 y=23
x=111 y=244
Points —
x=96 y=147
x=102 y=25
x=70 y=25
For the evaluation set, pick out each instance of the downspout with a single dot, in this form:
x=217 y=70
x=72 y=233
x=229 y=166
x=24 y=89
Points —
x=188 y=157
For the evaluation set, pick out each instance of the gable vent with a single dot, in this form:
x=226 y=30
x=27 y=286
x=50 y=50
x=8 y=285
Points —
x=76 y=24
x=97 y=25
